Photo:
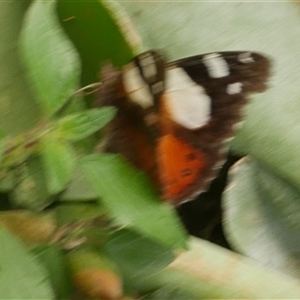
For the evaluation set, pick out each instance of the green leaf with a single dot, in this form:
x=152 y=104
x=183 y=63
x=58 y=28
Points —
x=51 y=61
x=262 y=219
x=67 y=213
x=207 y=271
x=78 y=189
x=137 y=255
x=78 y=126
x=281 y=205
x=93 y=28
x=2 y=145
x=7 y=182
x=21 y=275
x=30 y=189
x=131 y=200
x=52 y=258
x=170 y=293
x=59 y=160
x=18 y=109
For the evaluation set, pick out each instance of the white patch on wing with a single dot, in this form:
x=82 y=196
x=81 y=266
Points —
x=136 y=87
x=245 y=58
x=186 y=101
x=148 y=64
x=217 y=66
x=234 y=88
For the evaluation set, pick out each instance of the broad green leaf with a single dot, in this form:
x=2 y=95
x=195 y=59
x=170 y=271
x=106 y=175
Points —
x=30 y=190
x=169 y=26
x=58 y=161
x=170 y=293
x=78 y=126
x=131 y=200
x=281 y=205
x=137 y=255
x=261 y=217
x=51 y=61
x=21 y=275
x=208 y=271
x=18 y=109
x=52 y=258
x=96 y=29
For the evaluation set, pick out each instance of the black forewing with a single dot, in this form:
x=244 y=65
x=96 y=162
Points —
x=252 y=74
x=226 y=107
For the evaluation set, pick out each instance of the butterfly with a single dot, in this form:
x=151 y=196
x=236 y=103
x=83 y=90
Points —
x=175 y=119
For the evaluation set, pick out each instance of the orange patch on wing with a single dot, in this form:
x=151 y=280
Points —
x=179 y=165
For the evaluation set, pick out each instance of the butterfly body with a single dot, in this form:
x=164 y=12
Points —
x=174 y=119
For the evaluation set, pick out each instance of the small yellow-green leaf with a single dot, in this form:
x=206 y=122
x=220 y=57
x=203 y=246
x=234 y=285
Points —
x=59 y=160
x=30 y=189
x=78 y=126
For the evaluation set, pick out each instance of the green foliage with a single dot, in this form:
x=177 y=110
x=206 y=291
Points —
x=53 y=261
x=41 y=162
x=92 y=27
x=52 y=62
x=21 y=275
x=78 y=126
x=78 y=189
x=70 y=212
x=210 y=272
x=18 y=109
x=137 y=255
x=30 y=185
x=263 y=216
x=2 y=144
x=131 y=200
x=59 y=161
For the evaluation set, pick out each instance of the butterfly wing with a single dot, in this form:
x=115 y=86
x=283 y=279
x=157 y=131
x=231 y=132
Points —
x=127 y=134
x=198 y=112
x=174 y=119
